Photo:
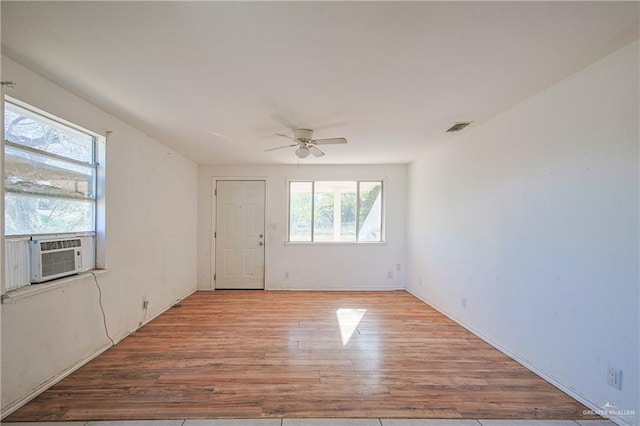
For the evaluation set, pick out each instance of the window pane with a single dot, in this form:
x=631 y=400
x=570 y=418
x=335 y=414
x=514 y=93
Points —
x=348 y=216
x=37 y=174
x=370 y=215
x=323 y=213
x=334 y=214
x=27 y=214
x=33 y=130
x=300 y=211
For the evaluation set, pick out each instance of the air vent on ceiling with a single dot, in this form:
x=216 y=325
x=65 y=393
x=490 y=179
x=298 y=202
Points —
x=458 y=126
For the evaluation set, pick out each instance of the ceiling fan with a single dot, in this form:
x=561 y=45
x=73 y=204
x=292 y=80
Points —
x=303 y=139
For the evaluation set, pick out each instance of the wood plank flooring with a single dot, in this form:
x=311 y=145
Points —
x=251 y=354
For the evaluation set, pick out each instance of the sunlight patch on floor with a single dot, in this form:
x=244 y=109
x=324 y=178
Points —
x=348 y=320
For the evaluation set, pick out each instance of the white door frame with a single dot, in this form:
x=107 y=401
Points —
x=267 y=243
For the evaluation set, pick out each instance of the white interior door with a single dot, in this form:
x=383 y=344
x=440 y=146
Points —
x=239 y=234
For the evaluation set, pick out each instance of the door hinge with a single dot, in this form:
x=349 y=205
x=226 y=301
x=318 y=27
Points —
x=214 y=277
x=215 y=192
x=215 y=234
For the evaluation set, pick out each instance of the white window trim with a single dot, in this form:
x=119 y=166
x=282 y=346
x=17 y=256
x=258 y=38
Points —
x=383 y=237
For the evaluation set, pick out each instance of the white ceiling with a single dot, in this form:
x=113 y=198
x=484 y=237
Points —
x=216 y=80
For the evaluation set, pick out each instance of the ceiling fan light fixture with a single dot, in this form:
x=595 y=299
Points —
x=302 y=152
x=303 y=140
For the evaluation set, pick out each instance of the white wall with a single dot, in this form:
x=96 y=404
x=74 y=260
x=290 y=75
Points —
x=151 y=218
x=533 y=217
x=316 y=267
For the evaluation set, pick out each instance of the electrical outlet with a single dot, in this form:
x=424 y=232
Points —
x=286 y=275
x=463 y=302
x=614 y=378
x=390 y=274
x=398 y=267
x=145 y=303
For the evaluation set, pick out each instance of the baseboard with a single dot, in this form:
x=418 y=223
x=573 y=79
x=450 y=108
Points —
x=526 y=363
x=6 y=411
x=349 y=288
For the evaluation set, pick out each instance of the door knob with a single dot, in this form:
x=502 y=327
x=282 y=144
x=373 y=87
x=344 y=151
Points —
x=260 y=235
x=261 y=243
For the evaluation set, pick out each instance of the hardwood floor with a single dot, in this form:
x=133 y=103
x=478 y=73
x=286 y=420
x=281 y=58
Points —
x=250 y=354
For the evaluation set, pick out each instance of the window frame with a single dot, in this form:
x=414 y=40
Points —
x=98 y=233
x=383 y=184
x=35 y=112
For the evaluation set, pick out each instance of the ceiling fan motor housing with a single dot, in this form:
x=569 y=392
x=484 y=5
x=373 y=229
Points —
x=303 y=135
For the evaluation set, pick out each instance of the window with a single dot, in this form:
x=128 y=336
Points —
x=335 y=211
x=50 y=175
x=53 y=197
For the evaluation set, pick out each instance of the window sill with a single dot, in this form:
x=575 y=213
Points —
x=33 y=289
x=334 y=243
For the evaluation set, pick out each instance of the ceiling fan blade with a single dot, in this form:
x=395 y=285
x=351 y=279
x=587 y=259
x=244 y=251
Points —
x=315 y=151
x=331 y=141
x=285 y=136
x=280 y=147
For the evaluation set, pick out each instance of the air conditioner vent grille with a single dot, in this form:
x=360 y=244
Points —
x=60 y=244
x=58 y=262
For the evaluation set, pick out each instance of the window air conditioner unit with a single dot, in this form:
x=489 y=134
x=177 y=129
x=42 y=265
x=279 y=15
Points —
x=57 y=258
